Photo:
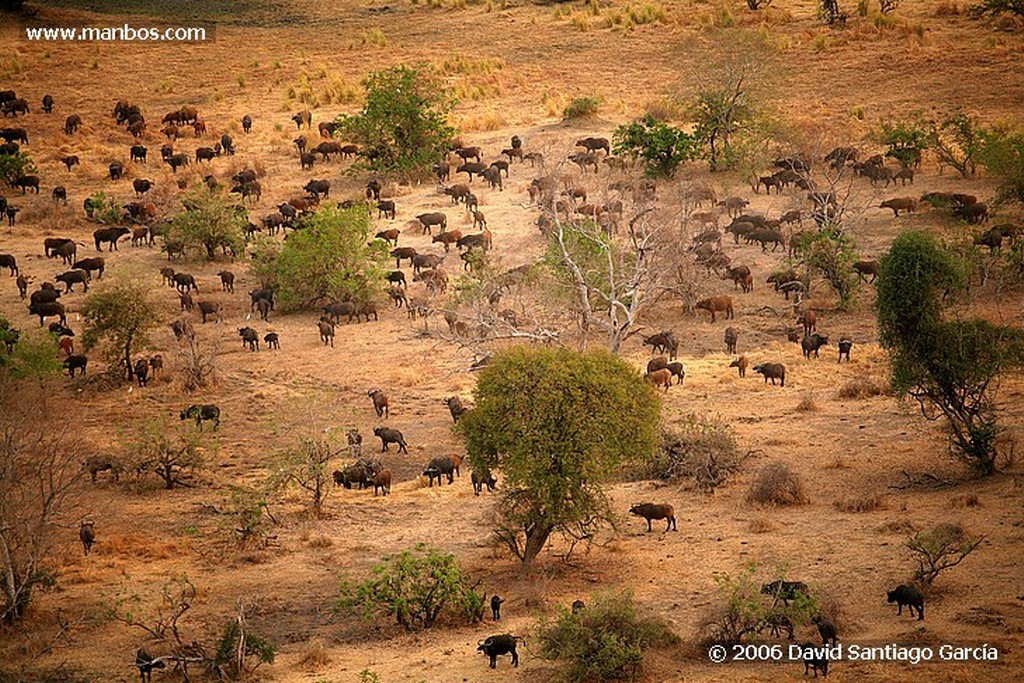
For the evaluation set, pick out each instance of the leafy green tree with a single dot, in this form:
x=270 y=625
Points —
x=209 y=221
x=948 y=366
x=416 y=587
x=119 y=315
x=558 y=424
x=329 y=259
x=403 y=127
x=1002 y=154
x=957 y=139
x=906 y=139
x=14 y=166
x=832 y=253
x=664 y=148
x=604 y=642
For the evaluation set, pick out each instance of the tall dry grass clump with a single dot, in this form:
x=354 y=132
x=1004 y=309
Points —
x=776 y=484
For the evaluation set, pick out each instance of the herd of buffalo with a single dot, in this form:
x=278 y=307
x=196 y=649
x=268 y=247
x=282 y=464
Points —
x=557 y=198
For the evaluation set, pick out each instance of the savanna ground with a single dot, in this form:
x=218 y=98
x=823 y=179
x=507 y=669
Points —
x=514 y=67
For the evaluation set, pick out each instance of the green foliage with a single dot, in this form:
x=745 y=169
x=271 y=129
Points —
x=250 y=517
x=746 y=613
x=579 y=107
x=403 y=127
x=947 y=365
x=996 y=7
x=906 y=139
x=119 y=315
x=559 y=425
x=31 y=355
x=105 y=209
x=14 y=166
x=957 y=139
x=832 y=253
x=328 y=260
x=663 y=148
x=415 y=587
x=604 y=642
x=209 y=221
x=238 y=646
x=172 y=452
x=1002 y=154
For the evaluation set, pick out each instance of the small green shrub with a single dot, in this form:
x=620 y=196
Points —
x=579 y=107
x=939 y=548
x=604 y=642
x=416 y=587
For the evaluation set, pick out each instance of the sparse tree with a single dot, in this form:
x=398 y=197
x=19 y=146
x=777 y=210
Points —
x=403 y=127
x=730 y=91
x=942 y=547
x=612 y=279
x=197 y=360
x=119 y=315
x=250 y=518
x=306 y=466
x=209 y=221
x=948 y=366
x=172 y=454
x=957 y=140
x=158 y=618
x=38 y=473
x=586 y=415
x=328 y=260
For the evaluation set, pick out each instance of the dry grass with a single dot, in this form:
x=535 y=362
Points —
x=856 y=504
x=861 y=387
x=898 y=526
x=315 y=656
x=967 y=500
x=762 y=525
x=775 y=484
x=807 y=404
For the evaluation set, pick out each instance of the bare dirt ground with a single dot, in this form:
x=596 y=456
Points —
x=515 y=67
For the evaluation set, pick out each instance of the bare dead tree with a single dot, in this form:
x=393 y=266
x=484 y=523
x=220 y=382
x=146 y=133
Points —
x=38 y=473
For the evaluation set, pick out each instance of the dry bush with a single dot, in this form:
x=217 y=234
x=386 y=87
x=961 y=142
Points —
x=870 y=503
x=807 y=405
x=700 y=447
x=897 y=526
x=315 y=657
x=762 y=525
x=861 y=387
x=776 y=484
x=968 y=500
x=198 y=361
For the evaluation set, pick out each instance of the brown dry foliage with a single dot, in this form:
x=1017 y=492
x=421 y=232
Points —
x=776 y=484
x=861 y=388
x=869 y=503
